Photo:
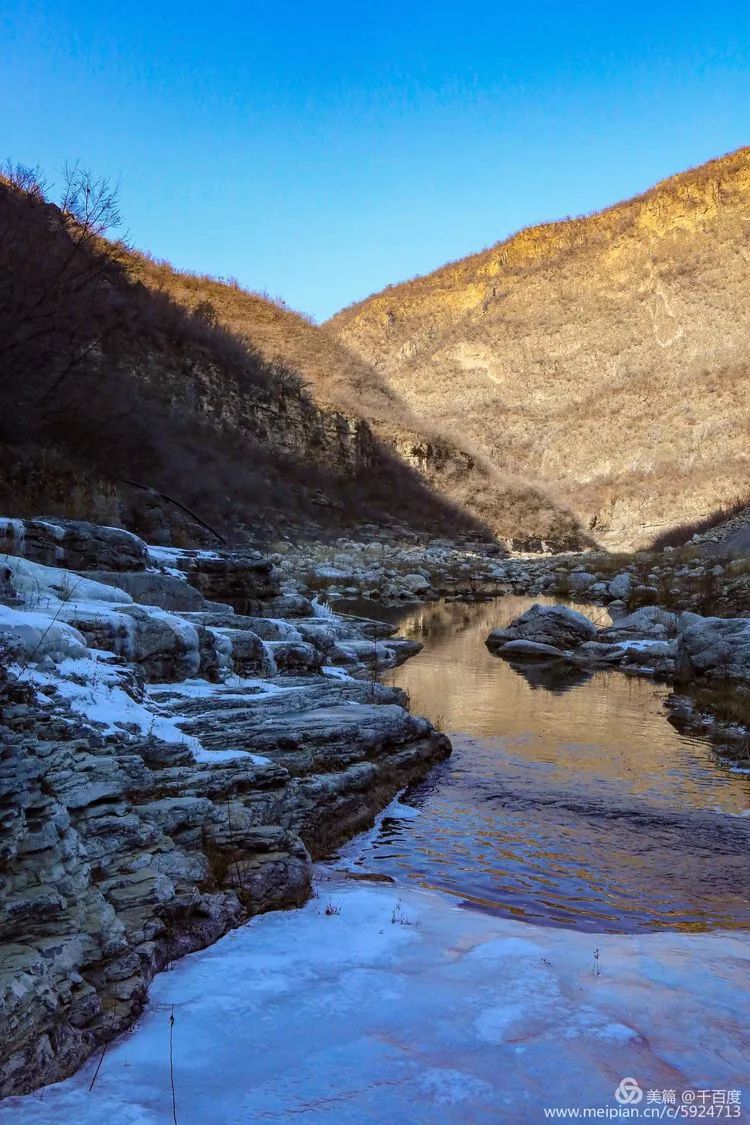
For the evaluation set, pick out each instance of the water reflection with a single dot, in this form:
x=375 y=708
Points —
x=569 y=800
x=552 y=675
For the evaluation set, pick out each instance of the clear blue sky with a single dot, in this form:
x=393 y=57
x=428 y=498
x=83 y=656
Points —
x=321 y=150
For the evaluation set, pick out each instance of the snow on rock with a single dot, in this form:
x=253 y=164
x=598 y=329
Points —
x=140 y=824
x=377 y=1004
x=108 y=694
x=171 y=556
x=335 y=673
x=28 y=636
x=44 y=586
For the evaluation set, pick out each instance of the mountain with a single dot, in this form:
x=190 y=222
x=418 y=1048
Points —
x=604 y=359
x=119 y=403
x=503 y=504
x=133 y=393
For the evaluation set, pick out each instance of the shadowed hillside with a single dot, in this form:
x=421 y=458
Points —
x=606 y=358
x=506 y=502
x=108 y=382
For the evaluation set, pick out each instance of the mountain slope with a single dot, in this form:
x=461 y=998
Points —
x=107 y=379
x=506 y=503
x=607 y=358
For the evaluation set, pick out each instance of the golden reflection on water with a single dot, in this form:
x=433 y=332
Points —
x=610 y=726
x=569 y=799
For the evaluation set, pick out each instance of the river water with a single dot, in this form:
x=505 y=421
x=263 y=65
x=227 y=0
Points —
x=569 y=799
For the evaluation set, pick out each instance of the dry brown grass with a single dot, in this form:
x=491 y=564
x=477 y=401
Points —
x=678 y=536
x=605 y=358
x=279 y=334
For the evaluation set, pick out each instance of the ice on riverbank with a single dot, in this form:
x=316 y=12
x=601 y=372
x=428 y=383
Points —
x=377 y=1004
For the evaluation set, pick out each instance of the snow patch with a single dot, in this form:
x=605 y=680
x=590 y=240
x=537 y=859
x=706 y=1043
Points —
x=335 y=673
x=50 y=586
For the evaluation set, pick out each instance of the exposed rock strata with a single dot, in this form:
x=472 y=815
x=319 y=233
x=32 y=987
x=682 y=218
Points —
x=151 y=795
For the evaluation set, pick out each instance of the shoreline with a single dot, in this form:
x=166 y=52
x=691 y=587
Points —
x=171 y=766
x=233 y=714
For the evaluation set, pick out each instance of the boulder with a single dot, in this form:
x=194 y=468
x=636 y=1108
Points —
x=164 y=645
x=74 y=544
x=649 y=622
x=621 y=586
x=403 y=648
x=249 y=654
x=294 y=656
x=715 y=647
x=555 y=625
x=580 y=580
x=414 y=583
x=617 y=609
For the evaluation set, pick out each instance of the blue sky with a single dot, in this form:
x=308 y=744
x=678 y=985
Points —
x=321 y=150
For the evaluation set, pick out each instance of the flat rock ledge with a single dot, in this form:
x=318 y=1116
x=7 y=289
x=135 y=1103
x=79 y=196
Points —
x=169 y=767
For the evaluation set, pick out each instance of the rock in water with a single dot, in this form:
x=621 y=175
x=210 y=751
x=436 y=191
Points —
x=714 y=647
x=555 y=625
x=621 y=586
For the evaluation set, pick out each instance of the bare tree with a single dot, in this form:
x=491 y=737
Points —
x=56 y=280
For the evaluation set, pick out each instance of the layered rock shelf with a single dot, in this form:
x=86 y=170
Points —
x=180 y=737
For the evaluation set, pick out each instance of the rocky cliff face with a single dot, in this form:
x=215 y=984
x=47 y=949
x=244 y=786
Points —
x=166 y=773
x=604 y=358
x=291 y=424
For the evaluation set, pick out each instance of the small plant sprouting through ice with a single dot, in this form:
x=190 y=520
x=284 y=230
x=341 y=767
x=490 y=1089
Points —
x=332 y=907
x=399 y=918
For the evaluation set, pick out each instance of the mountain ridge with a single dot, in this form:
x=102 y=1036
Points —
x=516 y=332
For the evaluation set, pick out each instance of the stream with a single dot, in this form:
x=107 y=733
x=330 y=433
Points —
x=569 y=799
x=570 y=802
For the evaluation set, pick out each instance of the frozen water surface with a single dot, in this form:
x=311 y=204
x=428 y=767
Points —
x=383 y=1004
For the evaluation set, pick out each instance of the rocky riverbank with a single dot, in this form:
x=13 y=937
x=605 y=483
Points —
x=398 y=569
x=650 y=597
x=707 y=659
x=181 y=734
x=183 y=731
